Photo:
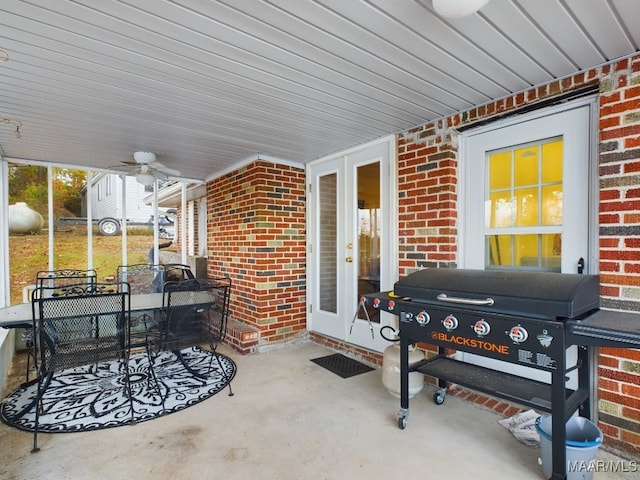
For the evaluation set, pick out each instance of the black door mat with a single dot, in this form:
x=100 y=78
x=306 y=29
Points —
x=341 y=365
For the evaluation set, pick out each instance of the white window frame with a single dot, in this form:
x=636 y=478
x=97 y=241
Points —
x=592 y=256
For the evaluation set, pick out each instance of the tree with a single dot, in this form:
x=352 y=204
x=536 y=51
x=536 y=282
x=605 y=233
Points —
x=28 y=183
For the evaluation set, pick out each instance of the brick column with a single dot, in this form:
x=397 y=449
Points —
x=256 y=235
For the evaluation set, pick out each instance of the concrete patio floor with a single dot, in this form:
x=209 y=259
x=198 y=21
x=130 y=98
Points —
x=290 y=419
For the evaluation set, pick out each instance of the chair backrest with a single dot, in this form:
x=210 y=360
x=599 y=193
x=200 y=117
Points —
x=54 y=279
x=81 y=324
x=196 y=313
x=175 y=272
x=142 y=277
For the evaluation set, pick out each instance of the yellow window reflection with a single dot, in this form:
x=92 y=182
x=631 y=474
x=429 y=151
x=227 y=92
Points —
x=523 y=218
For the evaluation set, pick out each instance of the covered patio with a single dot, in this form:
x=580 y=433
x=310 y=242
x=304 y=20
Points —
x=279 y=129
x=291 y=419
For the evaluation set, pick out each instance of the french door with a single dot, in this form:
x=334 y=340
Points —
x=351 y=247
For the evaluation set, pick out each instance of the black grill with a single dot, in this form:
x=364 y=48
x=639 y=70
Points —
x=543 y=295
x=524 y=318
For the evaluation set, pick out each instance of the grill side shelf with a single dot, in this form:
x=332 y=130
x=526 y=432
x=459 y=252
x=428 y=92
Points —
x=521 y=390
x=606 y=328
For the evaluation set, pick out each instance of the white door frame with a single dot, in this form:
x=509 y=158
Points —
x=345 y=163
x=591 y=149
x=584 y=110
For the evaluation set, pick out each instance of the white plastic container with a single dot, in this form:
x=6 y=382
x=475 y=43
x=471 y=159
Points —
x=583 y=438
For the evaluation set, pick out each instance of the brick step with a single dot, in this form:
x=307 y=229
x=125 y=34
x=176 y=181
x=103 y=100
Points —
x=242 y=337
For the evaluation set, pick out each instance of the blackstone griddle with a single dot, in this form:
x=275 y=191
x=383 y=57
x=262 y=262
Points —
x=524 y=318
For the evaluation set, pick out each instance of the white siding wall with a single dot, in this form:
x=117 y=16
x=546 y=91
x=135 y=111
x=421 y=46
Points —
x=106 y=199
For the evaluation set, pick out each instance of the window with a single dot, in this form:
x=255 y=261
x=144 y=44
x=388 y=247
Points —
x=523 y=220
x=526 y=201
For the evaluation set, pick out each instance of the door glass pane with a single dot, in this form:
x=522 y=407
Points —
x=328 y=268
x=526 y=250
x=368 y=183
x=526 y=166
x=499 y=250
x=501 y=212
x=552 y=205
x=552 y=162
x=499 y=171
x=537 y=252
x=527 y=201
x=524 y=202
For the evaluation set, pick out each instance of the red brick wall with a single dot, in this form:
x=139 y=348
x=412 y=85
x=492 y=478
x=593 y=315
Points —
x=619 y=173
x=427 y=185
x=256 y=235
x=620 y=185
x=428 y=219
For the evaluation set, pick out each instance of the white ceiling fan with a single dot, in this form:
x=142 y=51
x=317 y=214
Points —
x=147 y=169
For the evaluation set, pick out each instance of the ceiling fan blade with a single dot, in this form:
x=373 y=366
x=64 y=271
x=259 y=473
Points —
x=166 y=170
x=159 y=174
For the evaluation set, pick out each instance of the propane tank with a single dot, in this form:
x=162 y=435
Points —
x=23 y=219
x=391 y=370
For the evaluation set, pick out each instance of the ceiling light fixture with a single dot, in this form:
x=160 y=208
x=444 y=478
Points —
x=16 y=123
x=457 y=8
x=145 y=179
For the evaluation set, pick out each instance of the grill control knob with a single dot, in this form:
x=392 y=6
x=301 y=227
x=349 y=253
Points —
x=450 y=322
x=391 y=305
x=518 y=334
x=376 y=303
x=423 y=318
x=482 y=328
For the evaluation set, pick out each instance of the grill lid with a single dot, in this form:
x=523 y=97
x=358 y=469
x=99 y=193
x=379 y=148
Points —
x=538 y=294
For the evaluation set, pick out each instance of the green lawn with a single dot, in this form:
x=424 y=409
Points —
x=28 y=254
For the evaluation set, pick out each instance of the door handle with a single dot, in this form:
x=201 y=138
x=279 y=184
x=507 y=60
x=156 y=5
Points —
x=349 y=259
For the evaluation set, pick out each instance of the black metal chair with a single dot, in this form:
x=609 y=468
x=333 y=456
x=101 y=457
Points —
x=80 y=325
x=53 y=280
x=142 y=278
x=175 y=272
x=64 y=277
x=195 y=314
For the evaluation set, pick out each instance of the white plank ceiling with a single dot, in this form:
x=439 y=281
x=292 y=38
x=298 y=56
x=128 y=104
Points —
x=207 y=85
